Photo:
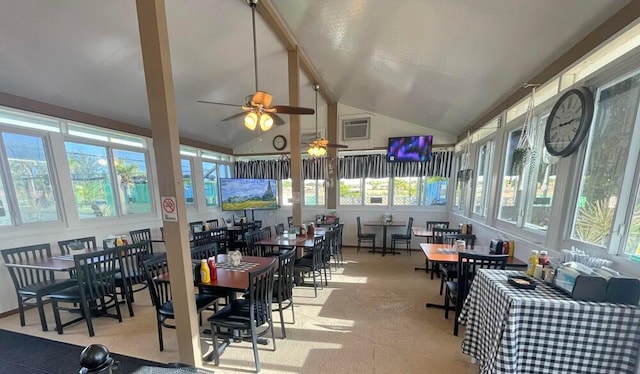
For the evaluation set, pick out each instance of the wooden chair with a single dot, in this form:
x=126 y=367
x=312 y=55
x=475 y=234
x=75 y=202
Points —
x=365 y=237
x=403 y=238
x=283 y=287
x=247 y=314
x=95 y=291
x=33 y=284
x=468 y=265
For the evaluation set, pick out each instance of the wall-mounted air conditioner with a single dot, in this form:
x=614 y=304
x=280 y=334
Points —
x=356 y=128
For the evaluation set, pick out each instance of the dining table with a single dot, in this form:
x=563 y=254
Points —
x=543 y=330
x=54 y=263
x=384 y=226
x=442 y=254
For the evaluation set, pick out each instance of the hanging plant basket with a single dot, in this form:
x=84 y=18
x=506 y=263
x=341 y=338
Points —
x=518 y=160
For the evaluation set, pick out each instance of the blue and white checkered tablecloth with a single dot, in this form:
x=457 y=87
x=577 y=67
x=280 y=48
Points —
x=512 y=330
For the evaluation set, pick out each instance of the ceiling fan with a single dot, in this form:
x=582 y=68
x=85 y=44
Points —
x=318 y=146
x=257 y=109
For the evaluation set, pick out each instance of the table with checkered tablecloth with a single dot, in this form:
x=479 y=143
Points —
x=512 y=330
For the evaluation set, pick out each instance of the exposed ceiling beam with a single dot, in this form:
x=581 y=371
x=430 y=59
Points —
x=609 y=28
x=277 y=24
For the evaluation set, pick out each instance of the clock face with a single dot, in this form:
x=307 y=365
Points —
x=279 y=142
x=569 y=122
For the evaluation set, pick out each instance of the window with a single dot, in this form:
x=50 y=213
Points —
x=435 y=190
x=187 y=182
x=483 y=176
x=133 y=181
x=406 y=190
x=92 y=185
x=287 y=192
x=31 y=181
x=376 y=191
x=542 y=182
x=351 y=191
x=210 y=176
x=603 y=183
x=314 y=192
x=512 y=178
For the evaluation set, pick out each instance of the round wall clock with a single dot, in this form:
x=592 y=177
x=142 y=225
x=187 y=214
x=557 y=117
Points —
x=279 y=142
x=569 y=122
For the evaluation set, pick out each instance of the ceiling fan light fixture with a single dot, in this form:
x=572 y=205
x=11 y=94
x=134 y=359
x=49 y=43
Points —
x=251 y=120
x=265 y=121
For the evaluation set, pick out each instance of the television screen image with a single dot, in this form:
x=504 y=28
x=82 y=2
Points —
x=245 y=194
x=409 y=148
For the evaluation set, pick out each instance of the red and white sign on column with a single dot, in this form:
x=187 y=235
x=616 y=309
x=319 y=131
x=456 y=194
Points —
x=169 y=212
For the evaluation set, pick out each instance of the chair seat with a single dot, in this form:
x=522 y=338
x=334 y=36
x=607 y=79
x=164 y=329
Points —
x=46 y=287
x=367 y=236
x=202 y=301
x=449 y=272
x=400 y=236
x=235 y=315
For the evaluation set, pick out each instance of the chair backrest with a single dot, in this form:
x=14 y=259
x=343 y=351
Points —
x=257 y=225
x=96 y=273
x=202 y=238
x=160 y=292
x=328 y=245
x=359 y=227
x=130 y=258
x=138 y=236
x=280 y=229
x=284 y=284
x=213 y=223
x=204 y=251
x=265 y=232
x=439 y=233
x=195 y=226
x=220 y=236
x=468 y=265
x=409 y=226
x=290 y=221
x=450 y=239
x=66 y=246
x=339 y=236
x=439 y=224
x=261 y=293
x=250 y=247
x=23 y=277
x=317 y=252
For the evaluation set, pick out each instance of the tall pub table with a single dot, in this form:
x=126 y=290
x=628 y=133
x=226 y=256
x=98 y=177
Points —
x=384 y=226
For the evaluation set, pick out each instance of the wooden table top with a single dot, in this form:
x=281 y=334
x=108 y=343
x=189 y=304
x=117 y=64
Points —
x=434 y=253
x=421 y=231
x=284 y=241
x=54 y=263
x=231 y=279
x=380 y=223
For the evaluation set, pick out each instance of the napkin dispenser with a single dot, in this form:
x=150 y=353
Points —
x=580 y=283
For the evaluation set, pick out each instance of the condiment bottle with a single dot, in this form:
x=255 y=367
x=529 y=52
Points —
x=119 y=241
x=124 y=240
x=213 y=269
x=544 y=258
x=533 y=261
x=205 y=272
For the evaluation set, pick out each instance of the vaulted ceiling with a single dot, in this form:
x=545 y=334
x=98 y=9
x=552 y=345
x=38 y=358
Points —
x=434 y=63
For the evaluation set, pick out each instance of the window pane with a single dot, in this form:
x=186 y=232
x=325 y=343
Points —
x=483 y=175
x=633 y=238
x=603 y=170
x=89 y=168
x=131 y=169
x=350 y=192
x=187 y=182
x=538 y=207
x=314 y=192
x=435 y=190
x=287 y=195
x=376 y=191
x=405 y=190
x=209 y=175
x=31 y=179
x=512 y=178
x=224 y=171
x=5 y=217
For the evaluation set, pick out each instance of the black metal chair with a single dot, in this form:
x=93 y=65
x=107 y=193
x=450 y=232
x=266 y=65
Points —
x=437 y=237
x=204 y=251
x=435 y=224
x=402 y=238
x=94 y=292
x=449 y=272
x=33 y=284
x=290 y=221
x=195 y=226
x=221 y=236
x=131 y=274
x=339 y=242
x=283 y=287
x=67 y=246
x=247 y=314
x=365 y=237
x=280 y=229
x=312 y=266
x=139 y=236
x=202 y=238
x=468 y=265
x=213 y=223
x=160 y=293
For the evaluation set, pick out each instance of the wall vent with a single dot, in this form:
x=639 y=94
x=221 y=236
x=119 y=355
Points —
x=356 y=128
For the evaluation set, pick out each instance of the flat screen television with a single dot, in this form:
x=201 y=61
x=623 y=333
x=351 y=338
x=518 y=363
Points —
x=246 y=194
x=409 y=148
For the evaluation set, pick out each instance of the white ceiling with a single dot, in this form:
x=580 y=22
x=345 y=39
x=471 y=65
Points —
x=435 y=63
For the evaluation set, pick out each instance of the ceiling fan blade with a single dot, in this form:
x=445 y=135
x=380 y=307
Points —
x=277 y=120
x=292 y=109
x=212 y=102
x=332 y=145
x=234 y=116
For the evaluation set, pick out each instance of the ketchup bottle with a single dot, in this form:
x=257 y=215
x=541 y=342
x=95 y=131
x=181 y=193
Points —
x=213 y=268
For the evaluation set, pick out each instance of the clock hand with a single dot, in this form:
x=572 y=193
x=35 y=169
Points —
x=568 y=122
